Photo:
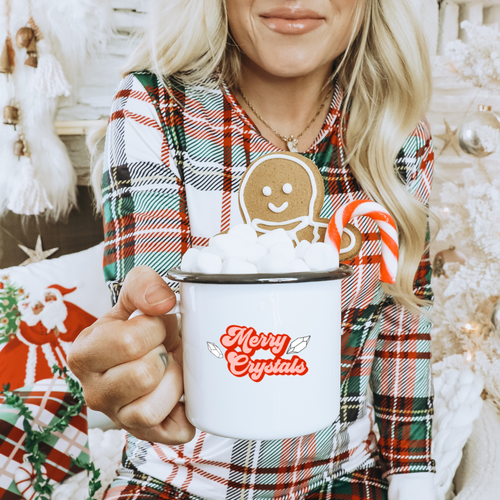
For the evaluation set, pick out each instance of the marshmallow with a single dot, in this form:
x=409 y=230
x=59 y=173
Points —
x=321 y=257
x=245 y=232
x=241 y=252
x=238 y=266
x=301 y=248
x=274 y=263
x=226 y=245
x=255 y=253
x=208 y=263
x=269 y=239
x=285 y=249
x=188 y=263
x=299 y=266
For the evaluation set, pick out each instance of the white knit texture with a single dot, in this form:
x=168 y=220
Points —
x=478 y=477
x=457 y=404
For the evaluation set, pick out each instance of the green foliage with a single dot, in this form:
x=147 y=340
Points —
x=34 y=438
x=10 y=317
x=94 y=483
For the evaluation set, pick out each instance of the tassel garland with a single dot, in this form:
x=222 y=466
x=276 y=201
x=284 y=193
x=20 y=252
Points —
x=28 y=197
x=49 y=78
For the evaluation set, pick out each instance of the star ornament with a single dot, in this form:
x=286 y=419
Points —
x=38 y=254
x=450 y=138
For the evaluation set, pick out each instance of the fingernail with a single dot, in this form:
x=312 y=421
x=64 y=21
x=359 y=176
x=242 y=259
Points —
x=164 y=358
x=157 y=294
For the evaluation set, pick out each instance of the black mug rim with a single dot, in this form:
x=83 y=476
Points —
x=343 y=271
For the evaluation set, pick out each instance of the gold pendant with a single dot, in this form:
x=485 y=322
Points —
x=292 y=144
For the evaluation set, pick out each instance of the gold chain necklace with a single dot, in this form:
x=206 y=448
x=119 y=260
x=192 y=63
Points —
x=291 y=141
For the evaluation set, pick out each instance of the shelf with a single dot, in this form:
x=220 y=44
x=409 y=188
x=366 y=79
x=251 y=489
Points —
x=80 y=127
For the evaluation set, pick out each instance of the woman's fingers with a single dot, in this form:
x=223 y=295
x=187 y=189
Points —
x=158 y=416
x=112 y=343
x=122 y=384
x=123 y=364
x=151 y=409
x=114 y=339
x=144 y=289
x=175 y=429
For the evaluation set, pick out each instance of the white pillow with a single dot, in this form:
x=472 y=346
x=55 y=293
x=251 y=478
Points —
x=43 y=307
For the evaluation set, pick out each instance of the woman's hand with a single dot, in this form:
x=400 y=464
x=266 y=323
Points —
x=131 y=370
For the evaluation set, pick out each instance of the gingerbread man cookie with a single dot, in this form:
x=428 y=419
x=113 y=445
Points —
x=285 y=190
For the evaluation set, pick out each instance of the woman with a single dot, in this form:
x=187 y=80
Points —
x=214 y=86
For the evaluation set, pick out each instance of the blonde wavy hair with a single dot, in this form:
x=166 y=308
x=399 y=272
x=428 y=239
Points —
x=386 y=75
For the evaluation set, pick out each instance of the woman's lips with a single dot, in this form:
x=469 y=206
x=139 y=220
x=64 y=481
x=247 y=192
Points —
x=288 y=21
x=291 y=26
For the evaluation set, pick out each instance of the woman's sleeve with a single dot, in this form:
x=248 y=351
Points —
x=401 y=375
x=144 y=203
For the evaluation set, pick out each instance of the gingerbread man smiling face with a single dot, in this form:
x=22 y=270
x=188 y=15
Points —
x=284 y=190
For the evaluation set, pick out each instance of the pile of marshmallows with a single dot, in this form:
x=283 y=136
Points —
x=240 y=251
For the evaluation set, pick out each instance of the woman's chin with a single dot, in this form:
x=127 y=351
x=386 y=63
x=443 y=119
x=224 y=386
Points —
x=289 y=64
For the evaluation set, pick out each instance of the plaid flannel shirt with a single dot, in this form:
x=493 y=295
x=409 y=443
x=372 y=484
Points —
x=174 y=159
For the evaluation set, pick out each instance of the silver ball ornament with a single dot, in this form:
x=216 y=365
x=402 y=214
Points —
x=495 y=317
x=468 y=134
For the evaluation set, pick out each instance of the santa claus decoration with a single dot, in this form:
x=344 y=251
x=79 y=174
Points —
x=47 y=324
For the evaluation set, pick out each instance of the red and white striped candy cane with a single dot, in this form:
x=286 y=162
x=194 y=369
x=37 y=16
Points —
x=387 y=228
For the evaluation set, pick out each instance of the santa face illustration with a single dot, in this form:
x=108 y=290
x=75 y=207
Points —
x=279 y=190
x=47 y=307
x=48 y=324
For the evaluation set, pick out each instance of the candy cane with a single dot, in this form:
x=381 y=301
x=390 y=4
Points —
x=387 y=228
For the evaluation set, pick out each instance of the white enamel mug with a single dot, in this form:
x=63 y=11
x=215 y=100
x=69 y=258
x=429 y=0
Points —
x=261 y=352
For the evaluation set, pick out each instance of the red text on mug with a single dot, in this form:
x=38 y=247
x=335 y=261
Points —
x=243 y=342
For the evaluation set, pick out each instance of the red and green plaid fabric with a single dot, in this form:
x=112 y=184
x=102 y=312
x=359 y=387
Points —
x=46 y=399
x=174 y=159
x=130 y=484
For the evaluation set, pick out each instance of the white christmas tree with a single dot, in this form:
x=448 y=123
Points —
x=467 y=295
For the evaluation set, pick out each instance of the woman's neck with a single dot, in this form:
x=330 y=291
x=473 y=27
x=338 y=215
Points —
x=287 y=104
